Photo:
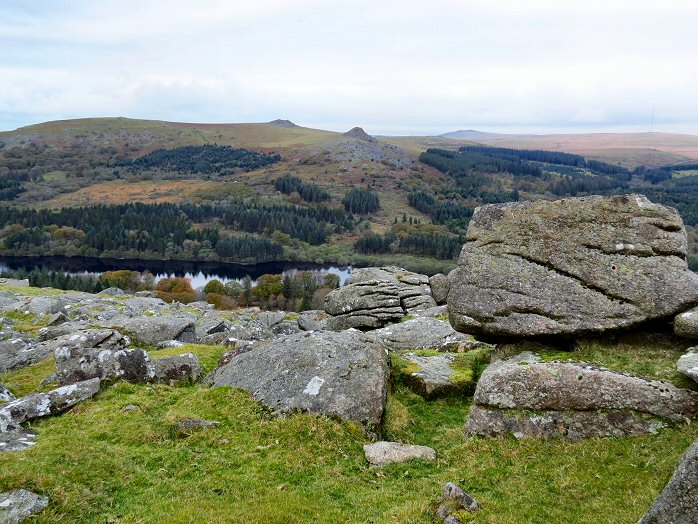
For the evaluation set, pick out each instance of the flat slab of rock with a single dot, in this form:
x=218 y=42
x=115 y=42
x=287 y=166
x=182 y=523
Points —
x=424 y=333
x=571 y=266
x=526 y=398
x=343 y=375
x=37 y=405
x=384 y=453
x=20 y=504
x=688 y=364
x=678 y=502
x=156 y=330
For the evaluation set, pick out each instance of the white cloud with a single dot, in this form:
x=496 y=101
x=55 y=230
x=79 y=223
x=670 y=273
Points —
x=400 y=66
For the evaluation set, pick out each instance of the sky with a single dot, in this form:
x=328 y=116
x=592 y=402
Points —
x=392 y=67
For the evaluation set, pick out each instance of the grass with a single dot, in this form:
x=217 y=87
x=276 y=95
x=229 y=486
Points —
x=99 y=463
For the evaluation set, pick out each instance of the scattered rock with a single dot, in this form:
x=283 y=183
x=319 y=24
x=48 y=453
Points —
x=17 y=353
x=677 y=503
x=432 y=376
x=440 y=287
x=20 y=504
x=78 y=364
x=210 y=325
x=383 y=453
x=688 y=364
x=249 y=329
x=570 y=266
x=13 y=282
x=130 y=407
x=179 y=368
x=44 y=305
x=453 y=500
x=5 y=394
x=342 y=375
x=16 y=440
x=36 y=405
x=526 y=398
x=313 y=320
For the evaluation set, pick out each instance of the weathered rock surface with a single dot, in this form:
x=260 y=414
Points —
x=16 y=440
x=688 y=364
x=16 y=353
x=423 y=333
x=36 y=405
x=78 y=364
x=5 y=394
x=342 y=375
x=270 y=319
x=159 y=329
x=678 y=502
x=374 y=297
x=526 y=398
x=383 y=453
x=313 y=320
x=440 y=287
x=686 y=324
x=20 y=504
x=570 y=266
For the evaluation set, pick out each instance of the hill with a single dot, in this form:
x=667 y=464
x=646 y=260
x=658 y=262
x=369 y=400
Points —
x=421 y=190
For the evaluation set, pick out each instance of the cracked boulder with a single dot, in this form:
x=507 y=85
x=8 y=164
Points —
x=342 y=375
x=570 y=266
x=376 y=296
x=37 y=405
x=677 y=503
x=527 y=398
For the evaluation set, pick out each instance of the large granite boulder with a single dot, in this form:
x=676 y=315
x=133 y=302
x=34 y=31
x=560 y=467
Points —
x=36 y=405
x=342 y=375
x=678 y=502
x=414 y=289
x=527 y=398
x=570 y=266
x=440 y=287
x=177 y=368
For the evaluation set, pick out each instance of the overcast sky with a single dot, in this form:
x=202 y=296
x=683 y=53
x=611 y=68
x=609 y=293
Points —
x=393 y=67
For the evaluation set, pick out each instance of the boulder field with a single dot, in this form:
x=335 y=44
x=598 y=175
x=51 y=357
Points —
x=593 y=266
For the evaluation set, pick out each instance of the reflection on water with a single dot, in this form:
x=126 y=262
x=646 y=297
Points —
x=198 y=272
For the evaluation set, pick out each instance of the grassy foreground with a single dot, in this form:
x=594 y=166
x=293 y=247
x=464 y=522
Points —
x=99 y=463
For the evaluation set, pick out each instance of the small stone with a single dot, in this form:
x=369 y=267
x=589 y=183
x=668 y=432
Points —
x=383 y=453
x=130 y=407
x=5 y=394
x=454 y=499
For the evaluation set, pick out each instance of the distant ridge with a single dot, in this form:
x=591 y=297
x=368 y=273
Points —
x=359 y=133
x=279 y=122
x=466 y=134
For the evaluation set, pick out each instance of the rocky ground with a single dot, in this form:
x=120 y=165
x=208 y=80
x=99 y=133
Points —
x=117 y=407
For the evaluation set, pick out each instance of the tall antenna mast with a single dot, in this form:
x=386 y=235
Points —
x=652 y=121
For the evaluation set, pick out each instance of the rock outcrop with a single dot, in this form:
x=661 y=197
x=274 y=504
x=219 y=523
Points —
x=342 y=375
x=678 y=502
x=384 y=453
x=526 y=398
x=570 y=266
x=374 y=297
